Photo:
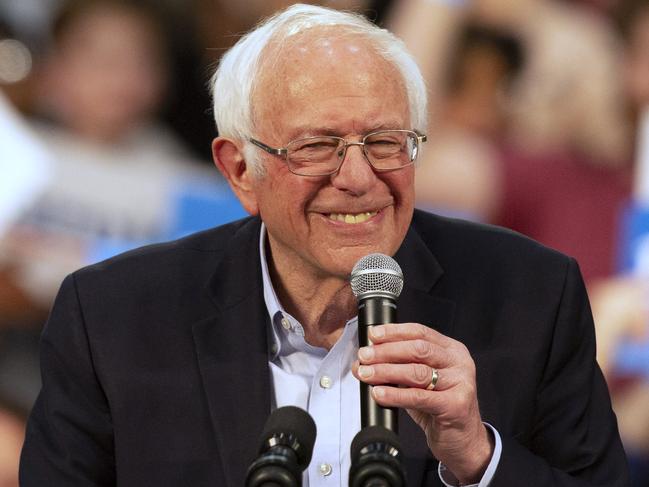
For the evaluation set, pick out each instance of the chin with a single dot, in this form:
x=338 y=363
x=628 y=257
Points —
x=343 y=260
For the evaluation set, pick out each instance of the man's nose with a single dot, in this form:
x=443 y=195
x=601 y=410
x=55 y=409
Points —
x=355 y=175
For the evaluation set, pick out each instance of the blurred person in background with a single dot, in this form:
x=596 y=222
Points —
x=115 y=168
x=25 y=168
x=558 y=168
x=621 y=315
x=106 y=70
x=567 y=167
x=620 y=304
x=471 y=125
x=466 y=71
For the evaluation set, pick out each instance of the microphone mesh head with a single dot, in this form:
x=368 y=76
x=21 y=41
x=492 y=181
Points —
x=376 y=274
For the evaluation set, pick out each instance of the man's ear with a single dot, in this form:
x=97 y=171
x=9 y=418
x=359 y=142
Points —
x=228 y=158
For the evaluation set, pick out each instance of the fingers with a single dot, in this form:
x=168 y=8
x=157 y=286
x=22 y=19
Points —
x=411 y=398
x=400 y=363
x=410 y=351
x=413 y=343
x=394 y=332
x=406 y=375
x=454 y=402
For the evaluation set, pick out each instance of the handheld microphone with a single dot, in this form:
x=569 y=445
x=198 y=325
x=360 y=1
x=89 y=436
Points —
x=376 y=282
x=376 y=459
x=285 y=449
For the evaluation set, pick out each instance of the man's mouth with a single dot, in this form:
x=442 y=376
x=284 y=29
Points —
x=352 y=217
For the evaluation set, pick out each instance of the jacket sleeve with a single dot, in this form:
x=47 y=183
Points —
x=575 y=440
x=69 y=438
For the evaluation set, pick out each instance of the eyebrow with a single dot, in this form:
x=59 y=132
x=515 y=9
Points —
x=310 y=131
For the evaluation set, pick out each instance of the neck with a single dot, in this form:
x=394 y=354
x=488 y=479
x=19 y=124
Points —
x=322 y=304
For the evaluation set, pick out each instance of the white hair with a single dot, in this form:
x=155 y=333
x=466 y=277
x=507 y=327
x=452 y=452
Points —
x=233 y=83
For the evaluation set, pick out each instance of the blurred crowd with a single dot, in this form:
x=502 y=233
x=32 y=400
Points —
x=539 y=121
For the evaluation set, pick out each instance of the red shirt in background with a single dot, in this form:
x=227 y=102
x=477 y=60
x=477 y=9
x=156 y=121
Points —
x=567 y=203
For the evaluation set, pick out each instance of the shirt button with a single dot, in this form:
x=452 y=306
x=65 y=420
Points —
x=325 y=382
x=286 y=324
x=274 y=348
x=325 y=469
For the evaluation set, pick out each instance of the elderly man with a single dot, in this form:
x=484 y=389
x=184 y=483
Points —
x=160 y=366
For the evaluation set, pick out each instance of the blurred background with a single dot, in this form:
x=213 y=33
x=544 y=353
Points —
x=539 y=121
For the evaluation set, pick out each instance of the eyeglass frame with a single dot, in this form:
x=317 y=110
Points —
x=283 y=151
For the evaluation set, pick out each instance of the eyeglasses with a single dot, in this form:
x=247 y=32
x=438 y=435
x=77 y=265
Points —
x=385 y=150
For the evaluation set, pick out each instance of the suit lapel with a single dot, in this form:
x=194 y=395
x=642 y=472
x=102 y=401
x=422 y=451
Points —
x=418 y=301
x=232 y=353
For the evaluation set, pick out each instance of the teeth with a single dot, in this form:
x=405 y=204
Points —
x=352 y=217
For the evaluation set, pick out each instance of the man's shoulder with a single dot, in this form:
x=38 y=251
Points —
x=479 y=244
x=194 y=254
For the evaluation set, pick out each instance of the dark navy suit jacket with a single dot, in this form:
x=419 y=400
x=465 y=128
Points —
x=155 y=363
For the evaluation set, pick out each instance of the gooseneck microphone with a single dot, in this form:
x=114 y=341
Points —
x=285 y=449
x=376 y=282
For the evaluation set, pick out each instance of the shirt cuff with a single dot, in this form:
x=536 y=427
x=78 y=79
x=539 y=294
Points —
x=449 y=480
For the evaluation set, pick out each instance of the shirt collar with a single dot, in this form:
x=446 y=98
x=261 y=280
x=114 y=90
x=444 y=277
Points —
x=273 y=306
x=272 y=303
x=278 y=338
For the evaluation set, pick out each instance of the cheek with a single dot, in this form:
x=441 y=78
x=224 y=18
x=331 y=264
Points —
x=282 y=198
x=406 y=204
x=402 y=185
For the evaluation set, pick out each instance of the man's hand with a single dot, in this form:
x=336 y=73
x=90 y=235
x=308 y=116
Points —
x=405 y=355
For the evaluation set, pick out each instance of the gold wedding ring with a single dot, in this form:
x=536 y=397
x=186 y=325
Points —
x=433 y=379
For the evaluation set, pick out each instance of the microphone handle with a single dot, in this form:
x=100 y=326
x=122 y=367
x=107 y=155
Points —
x=375 y=310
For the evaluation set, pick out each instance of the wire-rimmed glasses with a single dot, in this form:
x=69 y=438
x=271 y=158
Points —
x=384 y=150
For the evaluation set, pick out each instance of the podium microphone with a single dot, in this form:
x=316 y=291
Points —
x=285 y=449
x=376 y=281
x=376 y=459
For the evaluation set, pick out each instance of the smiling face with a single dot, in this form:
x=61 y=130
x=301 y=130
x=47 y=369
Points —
x=320 y=226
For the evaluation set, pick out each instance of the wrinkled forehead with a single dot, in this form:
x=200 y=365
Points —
x=318 y=60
